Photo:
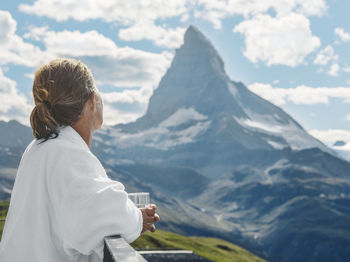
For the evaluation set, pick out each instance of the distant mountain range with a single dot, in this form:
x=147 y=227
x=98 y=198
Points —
x=221 y=161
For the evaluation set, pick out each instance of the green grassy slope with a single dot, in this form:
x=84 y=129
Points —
x=212 y=248
x=4 y=205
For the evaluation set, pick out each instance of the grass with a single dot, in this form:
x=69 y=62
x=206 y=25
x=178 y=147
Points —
x=4 y=205
x=211 y=248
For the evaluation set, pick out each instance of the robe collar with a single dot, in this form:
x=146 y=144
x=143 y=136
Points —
x=70 y=133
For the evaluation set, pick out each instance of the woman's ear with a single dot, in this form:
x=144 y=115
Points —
x=92 y=102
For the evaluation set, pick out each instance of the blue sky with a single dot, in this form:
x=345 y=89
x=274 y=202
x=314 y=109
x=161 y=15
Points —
x=294 y=53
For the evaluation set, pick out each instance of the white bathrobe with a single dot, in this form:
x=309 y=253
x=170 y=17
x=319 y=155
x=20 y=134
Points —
x=63 y=205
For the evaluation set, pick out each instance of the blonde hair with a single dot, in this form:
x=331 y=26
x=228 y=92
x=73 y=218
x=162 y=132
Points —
x=60 y=90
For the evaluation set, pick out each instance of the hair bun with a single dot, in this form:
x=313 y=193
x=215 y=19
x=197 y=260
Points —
x=48 y=104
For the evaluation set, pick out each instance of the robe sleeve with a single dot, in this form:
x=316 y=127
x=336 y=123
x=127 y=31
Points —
x=92 y=206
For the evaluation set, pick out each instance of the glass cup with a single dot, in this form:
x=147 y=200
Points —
x=140 y=199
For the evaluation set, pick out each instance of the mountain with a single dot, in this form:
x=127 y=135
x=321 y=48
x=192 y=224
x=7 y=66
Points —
x=14 y=137
x=197 y=109
x=220 y=161
x=258 y=178
x=14 y=134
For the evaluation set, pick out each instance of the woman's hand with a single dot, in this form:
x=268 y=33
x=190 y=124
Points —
x=149 y=217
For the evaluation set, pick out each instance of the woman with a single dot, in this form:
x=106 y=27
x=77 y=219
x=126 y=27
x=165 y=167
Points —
x=63 y=204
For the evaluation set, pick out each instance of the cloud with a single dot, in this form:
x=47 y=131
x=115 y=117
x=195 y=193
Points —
x=135 y=103
x=283 y=40
x=8 y=27
x=330 y=136
x=301 y=94
x=113 y=65
x=325 y=56
x=14 y=105
x=138 y=17
x=164 y=37
x=72 y=43
x=216 y=10
x=344 y=36
x=13 y=48
x=124 y=12
x=334 y=70
x=113 y=116
x=276 y=96
x=346 y=69
x=140 y=95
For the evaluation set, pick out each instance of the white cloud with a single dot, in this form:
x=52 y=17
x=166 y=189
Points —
x=121 y=67
x=138 y=16
x=275 y=95
x=113 y=116
x=8 y=27
x=118 y=66
x=141 y=95
x=124 y=12
x=14 y=105
x=334 y=70
x=137 y=99
x=344 y=36
x=325 y=56
x=330 y=136
x=301 y=94
x=170 y=38
x=278 y=40
x=348 y=117
x=72 y=43
x=346 y=69
x=13 y=48
x=216 y=10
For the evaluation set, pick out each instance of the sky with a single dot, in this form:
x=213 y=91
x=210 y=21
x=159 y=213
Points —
x=294 y=53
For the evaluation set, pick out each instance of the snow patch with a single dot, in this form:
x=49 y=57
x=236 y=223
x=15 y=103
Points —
x=274 y=126
x=233 y=90
x=161 y=137
x=276 y=145
x=259 y=125
x=183 y=116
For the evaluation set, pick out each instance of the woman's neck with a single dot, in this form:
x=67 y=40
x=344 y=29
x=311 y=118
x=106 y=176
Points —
x=84 y=131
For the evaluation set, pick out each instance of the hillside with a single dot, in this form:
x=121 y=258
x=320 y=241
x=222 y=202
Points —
x=212 y=248
x=3 y=211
